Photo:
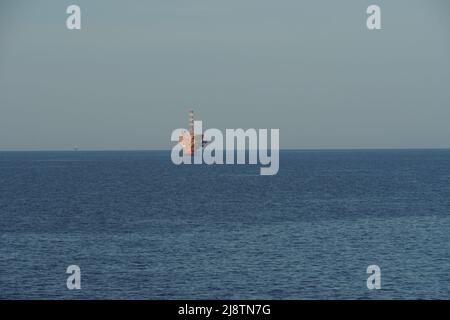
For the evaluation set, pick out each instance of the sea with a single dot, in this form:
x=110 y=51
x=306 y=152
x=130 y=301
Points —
x=140 y=227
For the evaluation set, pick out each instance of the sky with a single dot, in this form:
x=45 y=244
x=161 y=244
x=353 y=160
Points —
x=310 y=68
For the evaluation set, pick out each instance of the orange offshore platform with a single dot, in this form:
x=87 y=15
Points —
x=189 y=140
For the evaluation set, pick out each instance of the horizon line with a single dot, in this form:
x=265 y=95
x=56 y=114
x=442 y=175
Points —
x=281 y=149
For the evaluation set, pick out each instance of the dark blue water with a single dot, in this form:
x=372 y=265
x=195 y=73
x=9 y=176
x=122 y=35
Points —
x=142 y=228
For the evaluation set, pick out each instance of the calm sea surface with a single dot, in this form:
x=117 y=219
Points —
x=140 y=227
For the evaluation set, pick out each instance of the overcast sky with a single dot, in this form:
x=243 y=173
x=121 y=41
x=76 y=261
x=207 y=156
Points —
x=308 y=67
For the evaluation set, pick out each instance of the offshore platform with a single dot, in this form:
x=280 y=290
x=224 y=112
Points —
x=189 y=140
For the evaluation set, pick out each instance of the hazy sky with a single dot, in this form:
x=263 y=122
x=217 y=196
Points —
x=308 y=67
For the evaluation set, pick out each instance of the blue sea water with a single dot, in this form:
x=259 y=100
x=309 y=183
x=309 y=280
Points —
x=141 y=227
